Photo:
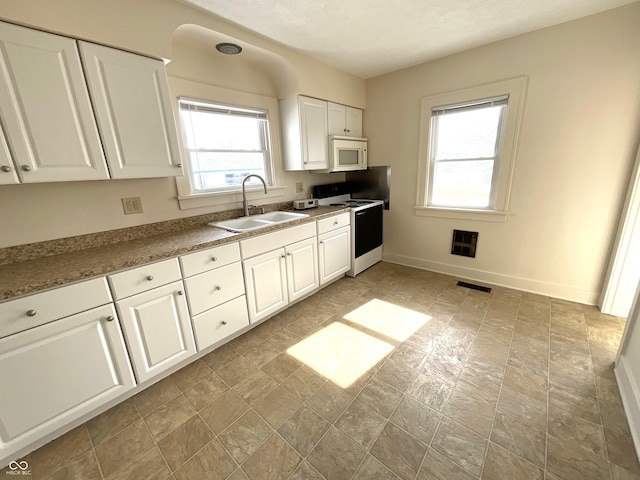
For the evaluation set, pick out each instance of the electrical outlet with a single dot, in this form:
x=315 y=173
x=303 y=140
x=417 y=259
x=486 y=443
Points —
x=132 y=205
x=299 y=187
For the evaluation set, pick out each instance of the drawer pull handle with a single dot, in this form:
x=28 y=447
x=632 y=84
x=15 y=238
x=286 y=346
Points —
x=218 y=287
x=180 y=292
x=150 y=277
x=31 y=313
x=224 y=322
x=5 y=168
x=214 y=259
x=178 y=165
x=110 y=318
x=26 y=168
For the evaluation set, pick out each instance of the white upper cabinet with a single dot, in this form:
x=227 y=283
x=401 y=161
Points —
x=343 y=120
x=8 y=173
x=304 y=126
x=45 y=108
x=131 y=98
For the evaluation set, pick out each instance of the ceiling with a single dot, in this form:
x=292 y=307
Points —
x=372 y=37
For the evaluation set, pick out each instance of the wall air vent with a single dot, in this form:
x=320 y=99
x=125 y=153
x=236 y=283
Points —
x=464 y=243
x=473 y=286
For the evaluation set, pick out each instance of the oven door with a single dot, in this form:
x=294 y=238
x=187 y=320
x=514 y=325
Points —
x=367 y=230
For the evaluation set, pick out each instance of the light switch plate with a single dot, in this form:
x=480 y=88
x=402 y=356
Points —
x=132 y=205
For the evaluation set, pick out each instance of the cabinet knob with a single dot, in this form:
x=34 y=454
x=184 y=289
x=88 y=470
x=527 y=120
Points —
x=26 y=168
x=178 y=165
x=110 y=318
x=213 y=259
x=5 y=168
x=348 y=130
x=31 y=313
x=335 y=223
x=223 y=322
x=218 y=287
x=180 y=292
x=150 y=277
x=282 y=256
x=321 y=241
x=289 y=253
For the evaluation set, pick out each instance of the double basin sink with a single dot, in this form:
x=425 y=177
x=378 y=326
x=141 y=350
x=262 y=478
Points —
x=254 y=222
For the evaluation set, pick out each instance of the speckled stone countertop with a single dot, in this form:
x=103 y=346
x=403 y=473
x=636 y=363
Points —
x=36 y=274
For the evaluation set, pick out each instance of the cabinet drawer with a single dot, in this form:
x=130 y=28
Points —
x=208 y=259
x=331 y=223
x=213 y=288
x=28 y=312
x=144 y=278
x=278 y=239
x=218 y=323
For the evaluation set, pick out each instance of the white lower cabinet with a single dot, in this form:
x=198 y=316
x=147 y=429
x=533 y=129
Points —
x=280 y=276
x=55 y=373
x=334 y=253
x=220 y=322
x=157 y=329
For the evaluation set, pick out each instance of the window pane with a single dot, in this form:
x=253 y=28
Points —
x=467 y=134
x=213 y=131
x=223 y=170
x=462 y=184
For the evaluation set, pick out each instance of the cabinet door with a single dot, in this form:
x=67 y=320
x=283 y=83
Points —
x=45 y=108
x=133 y=107
x=157 y=329
x=336 y=116
x=313 y=119
x=302 y=268
x=353 y=119
x=265 y=280
x=7 y=170
x=334 y=254
x=55 y=373
x=220 y=322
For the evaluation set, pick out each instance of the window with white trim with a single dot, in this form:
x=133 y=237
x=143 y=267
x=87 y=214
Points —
x=224 y=144
x=468 y=145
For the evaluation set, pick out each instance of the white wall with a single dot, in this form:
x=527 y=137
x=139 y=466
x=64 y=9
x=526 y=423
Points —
x=580 y=127
x=171 y=30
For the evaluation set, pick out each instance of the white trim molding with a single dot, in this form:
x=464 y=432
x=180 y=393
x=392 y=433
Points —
x=540 y=287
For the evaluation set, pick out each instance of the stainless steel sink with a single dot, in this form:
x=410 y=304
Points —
x=246 y=224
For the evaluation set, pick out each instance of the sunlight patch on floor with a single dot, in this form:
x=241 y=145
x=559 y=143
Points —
x=340 y=353
x=388 y=319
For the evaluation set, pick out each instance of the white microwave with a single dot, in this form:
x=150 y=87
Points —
x=347 y=153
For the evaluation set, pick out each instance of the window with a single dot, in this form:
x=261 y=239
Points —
x=467 y=151
x=224 y=144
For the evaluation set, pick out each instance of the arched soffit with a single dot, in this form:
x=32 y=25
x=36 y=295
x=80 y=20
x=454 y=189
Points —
x=254 y=70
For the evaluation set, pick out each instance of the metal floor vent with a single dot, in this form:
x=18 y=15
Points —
x=473 y=286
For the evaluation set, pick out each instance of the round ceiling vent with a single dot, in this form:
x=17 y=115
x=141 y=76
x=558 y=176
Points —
x=229 y=48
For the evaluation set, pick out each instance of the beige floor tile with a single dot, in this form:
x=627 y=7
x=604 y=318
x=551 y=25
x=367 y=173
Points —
x=206 y=391
x=281 y=367
x=470 y=412
x=112 y=421
x=437 y=467
x=417 y=419
x=58 y=453
x=574 y=378
x=501 y=463
x=519 y=438
x=614 y=417
x=188 y=376
x=147 y=466
x=400 y=452
x=460 y=445
x=306 y=472
x=337 y=457
x=254 y=387
x=578 y=403
x=619 y=473
x=122 y=448
x=155 y=396
x=277 y=406
x=236 y=371
x=238 y=475
x=381 y=397
x=274 y=460
x=574 y=429
x=303 y=430
x=329 y=401
x=621 y=451
x=170 y=416
x=372 y=469
x=430 y=391
x=437 y=366
x=212 y=461
x=479 y=370
x=220 y=357
x=532 y=385
x=361 y=424
x=185 y=441
x=224 y=411
x=245 y=435
x=303 y=383
x=84 y=467
x=397 y=374
x=523 y=407
x=571 y=462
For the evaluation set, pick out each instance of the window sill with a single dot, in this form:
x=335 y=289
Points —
x=462 y=214
x=199 y=200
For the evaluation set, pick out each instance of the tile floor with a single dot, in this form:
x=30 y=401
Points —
x=428 y=381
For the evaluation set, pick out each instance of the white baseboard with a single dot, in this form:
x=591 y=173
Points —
x=630 y=393
x=549 y=289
